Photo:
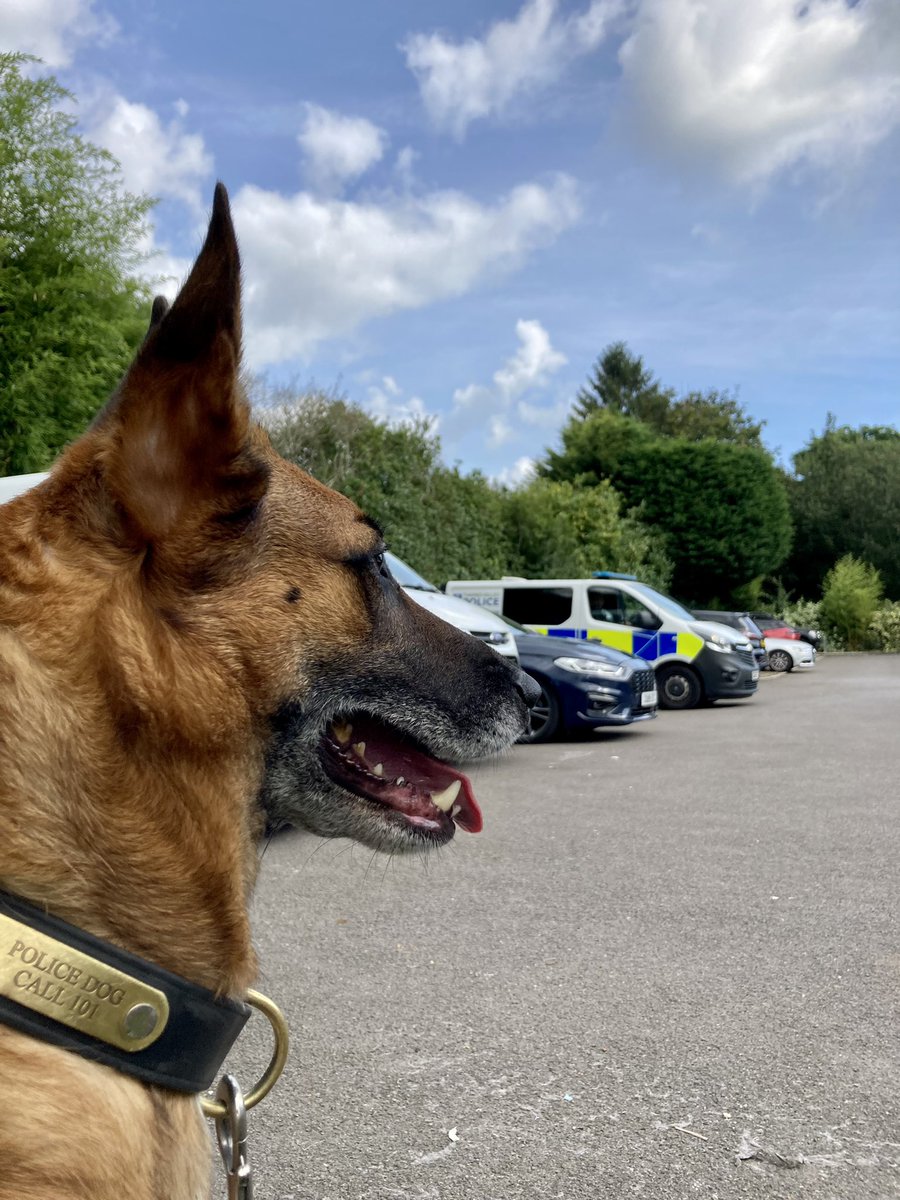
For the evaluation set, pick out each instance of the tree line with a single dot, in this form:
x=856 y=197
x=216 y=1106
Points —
x=679 y=490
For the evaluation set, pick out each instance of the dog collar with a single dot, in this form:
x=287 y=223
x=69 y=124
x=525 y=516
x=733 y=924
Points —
x=76 y=991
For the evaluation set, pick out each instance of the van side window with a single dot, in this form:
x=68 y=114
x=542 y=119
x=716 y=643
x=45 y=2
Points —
x=606 y=605
x=538 y=606
x=610 y=605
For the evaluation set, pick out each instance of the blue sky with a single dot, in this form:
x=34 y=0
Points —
x=449 y=209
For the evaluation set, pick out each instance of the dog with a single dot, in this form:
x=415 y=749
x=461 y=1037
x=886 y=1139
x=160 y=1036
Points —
x=196 y=637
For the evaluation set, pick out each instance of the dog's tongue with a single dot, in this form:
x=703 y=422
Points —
x=403 y=777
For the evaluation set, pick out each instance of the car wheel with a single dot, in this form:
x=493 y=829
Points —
x=678 y=687
x=544 y=716
x=780 y=660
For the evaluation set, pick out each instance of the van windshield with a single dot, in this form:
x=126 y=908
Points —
x=665 y=603
x=405 y=575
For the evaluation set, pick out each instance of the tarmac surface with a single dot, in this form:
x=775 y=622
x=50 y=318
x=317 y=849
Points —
x=669 y=967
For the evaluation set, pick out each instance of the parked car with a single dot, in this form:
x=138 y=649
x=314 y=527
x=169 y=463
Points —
x=776 y=627
x=744 y=623
x=787 y=653
x=583 y=686
x=468 y=617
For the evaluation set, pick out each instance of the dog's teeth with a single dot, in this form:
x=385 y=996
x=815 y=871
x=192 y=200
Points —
x=455 y=811
x=342 y=732
x=444 y=800
x=399 y=781
x=378 y=769
x=360 y=749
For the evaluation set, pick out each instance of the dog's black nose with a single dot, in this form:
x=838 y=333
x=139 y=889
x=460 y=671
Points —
x=529 y=690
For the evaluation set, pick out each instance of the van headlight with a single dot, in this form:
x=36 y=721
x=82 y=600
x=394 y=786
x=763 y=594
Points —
x=719 y=644
x=590 y=666
x=497 y=638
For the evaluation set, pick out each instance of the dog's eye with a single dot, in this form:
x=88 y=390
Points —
x=380 y=564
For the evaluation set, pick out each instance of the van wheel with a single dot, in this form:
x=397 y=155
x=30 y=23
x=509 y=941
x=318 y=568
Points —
x=678 y=686
x=780 y=660
x=544 y=716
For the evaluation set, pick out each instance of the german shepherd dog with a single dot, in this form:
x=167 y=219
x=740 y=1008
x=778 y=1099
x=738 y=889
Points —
x=194 y=632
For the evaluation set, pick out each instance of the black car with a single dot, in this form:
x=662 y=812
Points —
x=743 y=622
x=584 y=684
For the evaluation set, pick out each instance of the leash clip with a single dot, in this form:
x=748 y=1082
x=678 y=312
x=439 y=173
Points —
x=231 y=1134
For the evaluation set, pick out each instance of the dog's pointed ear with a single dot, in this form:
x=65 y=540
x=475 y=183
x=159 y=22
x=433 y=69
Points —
x=176 y=431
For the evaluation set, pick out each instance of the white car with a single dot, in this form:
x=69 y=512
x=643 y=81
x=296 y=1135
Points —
x=787 y=653
x=469 y=617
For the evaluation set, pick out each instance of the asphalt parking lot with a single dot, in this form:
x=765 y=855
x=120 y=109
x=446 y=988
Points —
x=669 y=967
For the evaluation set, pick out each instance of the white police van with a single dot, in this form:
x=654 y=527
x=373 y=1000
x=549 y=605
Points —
x=694 y=660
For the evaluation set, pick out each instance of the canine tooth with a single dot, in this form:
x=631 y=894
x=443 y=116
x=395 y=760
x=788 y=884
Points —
x=455 y=811
x=360 y=749
x=399 y=781
x=342 y=732
x=378 y=769
x=444 y=800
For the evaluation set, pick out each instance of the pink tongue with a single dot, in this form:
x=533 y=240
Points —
x=426 y=774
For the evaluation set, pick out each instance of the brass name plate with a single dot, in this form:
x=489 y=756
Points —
x=74 y=989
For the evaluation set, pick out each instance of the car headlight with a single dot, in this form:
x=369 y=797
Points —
x=719 y=644
x=590 y=666
x=497 y=638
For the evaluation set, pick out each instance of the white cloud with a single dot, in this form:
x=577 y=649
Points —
x=503 y=409
x=532 y=363
x=52 y=29
x=388 y=403
x=161 y=159
x=318 y=268
x=747 y=90
x=461 y=82
x=338 y=149
x=522 y=471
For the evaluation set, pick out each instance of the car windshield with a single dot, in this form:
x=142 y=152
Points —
x=669 y=606
x=406 y=576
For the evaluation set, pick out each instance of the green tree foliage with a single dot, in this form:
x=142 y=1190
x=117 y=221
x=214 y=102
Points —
x=70 y=315
x=845 y=499
x=560 y=530
x=620 y=383
x=722 y=507
x=850 y=599
x=715 y=415
x=443 y=523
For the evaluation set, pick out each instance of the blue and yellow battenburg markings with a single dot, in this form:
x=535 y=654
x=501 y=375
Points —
x=649 y=646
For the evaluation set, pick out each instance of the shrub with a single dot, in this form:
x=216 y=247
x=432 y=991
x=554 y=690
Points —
x=850 y=596
x=884 y=628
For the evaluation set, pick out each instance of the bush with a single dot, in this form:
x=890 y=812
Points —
x=884 y=628
x=850 y=597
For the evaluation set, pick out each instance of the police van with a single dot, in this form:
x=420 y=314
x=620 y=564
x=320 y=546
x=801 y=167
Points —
x=694 y=660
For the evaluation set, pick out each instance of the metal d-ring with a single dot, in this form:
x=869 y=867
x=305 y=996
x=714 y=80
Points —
x=269 y=1077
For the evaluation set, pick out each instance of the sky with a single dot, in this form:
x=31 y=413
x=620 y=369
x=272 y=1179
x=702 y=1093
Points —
x=447 y=209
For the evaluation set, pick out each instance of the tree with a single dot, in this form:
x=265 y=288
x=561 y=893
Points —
x=560 y=530
x=845 y=499
x=715 y=415
x=721 y=507
x=71 y=315
x=444 y=524
x=620 y=383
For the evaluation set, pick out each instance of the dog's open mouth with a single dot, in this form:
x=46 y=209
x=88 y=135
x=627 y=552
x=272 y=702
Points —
x=379 y=764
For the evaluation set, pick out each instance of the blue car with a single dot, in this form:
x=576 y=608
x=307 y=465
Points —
x=584 y=685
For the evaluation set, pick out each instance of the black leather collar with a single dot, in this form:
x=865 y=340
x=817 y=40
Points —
x=59 y=989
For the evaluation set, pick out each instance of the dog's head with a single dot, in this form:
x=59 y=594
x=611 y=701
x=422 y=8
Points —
x=245 y=610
